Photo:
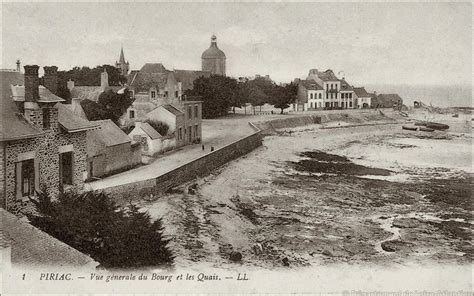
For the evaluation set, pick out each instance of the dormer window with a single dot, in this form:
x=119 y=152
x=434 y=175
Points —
x=153 y=94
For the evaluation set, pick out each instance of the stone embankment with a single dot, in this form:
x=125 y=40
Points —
x=203 y=166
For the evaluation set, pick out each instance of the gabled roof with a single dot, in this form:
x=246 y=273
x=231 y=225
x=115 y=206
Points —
x=150 y=131
x=153 y=68
x=72 y=123
x=77 y=109
x=187 y=77
x=310 y=85
x=45 y=95
x=12 y=123
x=109 y=133
x=172 y=109
x=31 y=246
x=345 y=86
x=361 y=92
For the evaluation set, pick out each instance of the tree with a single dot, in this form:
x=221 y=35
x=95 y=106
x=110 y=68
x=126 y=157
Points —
x=218 y=94
x=161 y=127
x=92 y=223
x=94 y=111
x=116 y=104
x=283 y=96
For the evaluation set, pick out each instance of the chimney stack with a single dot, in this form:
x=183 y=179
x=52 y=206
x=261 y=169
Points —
x=104 y=80
x=31 y=84
x=70 y=84
x=51 y=78
x=18 y=64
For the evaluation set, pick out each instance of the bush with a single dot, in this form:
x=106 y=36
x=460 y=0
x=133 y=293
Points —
x=93 y=224
x=161 y=127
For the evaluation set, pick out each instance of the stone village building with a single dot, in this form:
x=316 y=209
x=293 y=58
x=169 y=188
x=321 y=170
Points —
x=42 y=143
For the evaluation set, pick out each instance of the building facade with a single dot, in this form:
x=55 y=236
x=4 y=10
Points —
x=364 y=99
x=43 y=144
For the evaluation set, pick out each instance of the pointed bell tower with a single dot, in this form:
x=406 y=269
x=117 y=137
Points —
x=122 y=64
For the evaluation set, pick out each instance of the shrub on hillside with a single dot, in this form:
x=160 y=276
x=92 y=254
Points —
x=93 y=224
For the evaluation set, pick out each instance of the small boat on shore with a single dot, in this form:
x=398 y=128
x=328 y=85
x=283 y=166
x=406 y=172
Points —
x=410 y=128
x=437 y=126
x=432 y=125
x=426 y=129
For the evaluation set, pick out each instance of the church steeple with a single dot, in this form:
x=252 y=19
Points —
x=122 y=64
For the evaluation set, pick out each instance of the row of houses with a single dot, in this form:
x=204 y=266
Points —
x=323 y=90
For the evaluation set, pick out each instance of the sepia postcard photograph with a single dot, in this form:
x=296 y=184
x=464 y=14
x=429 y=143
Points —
x=212 y=147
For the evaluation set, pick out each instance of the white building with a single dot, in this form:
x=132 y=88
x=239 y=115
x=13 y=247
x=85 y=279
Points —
x=364 y=99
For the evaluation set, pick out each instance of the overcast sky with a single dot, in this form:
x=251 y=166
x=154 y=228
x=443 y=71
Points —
x=424 y=43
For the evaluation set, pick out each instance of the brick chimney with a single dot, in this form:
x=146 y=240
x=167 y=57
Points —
x=32 y=111
x=104 y=80
x=70 y=84
x=31 y=84
x=51 y=78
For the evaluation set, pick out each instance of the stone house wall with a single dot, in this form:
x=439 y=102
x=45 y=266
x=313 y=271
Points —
x=46 y=150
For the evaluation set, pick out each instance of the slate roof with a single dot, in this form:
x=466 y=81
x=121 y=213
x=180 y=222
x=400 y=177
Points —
x=109 y=133
x=91 y=93
x=150 y=131
x=77 y=109
x=361 y=92
x=150 y=75
x=213 y=51
x=310 y=85
x=12 y=123
x=45 y=95
x=72 y=123
x=170 y=108
x=187 y=77
x=153 y=68
x=31 y=246
x=345 y=86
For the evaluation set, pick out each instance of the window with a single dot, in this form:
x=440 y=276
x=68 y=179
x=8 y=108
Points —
x=190 y=134
x=180 y=134
x=196 y=111
x=153 y=94
x=350 y=96
x=27 y=176
x=166 y=94
x=320 y=96
x=311 y=96
x=190 y=112
x=176 y=94
x=66 y=167
x=132 y=114
x=196 y=132
x=46 y=118
x=327 y=96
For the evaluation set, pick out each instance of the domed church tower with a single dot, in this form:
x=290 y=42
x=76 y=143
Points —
x=213 y=59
